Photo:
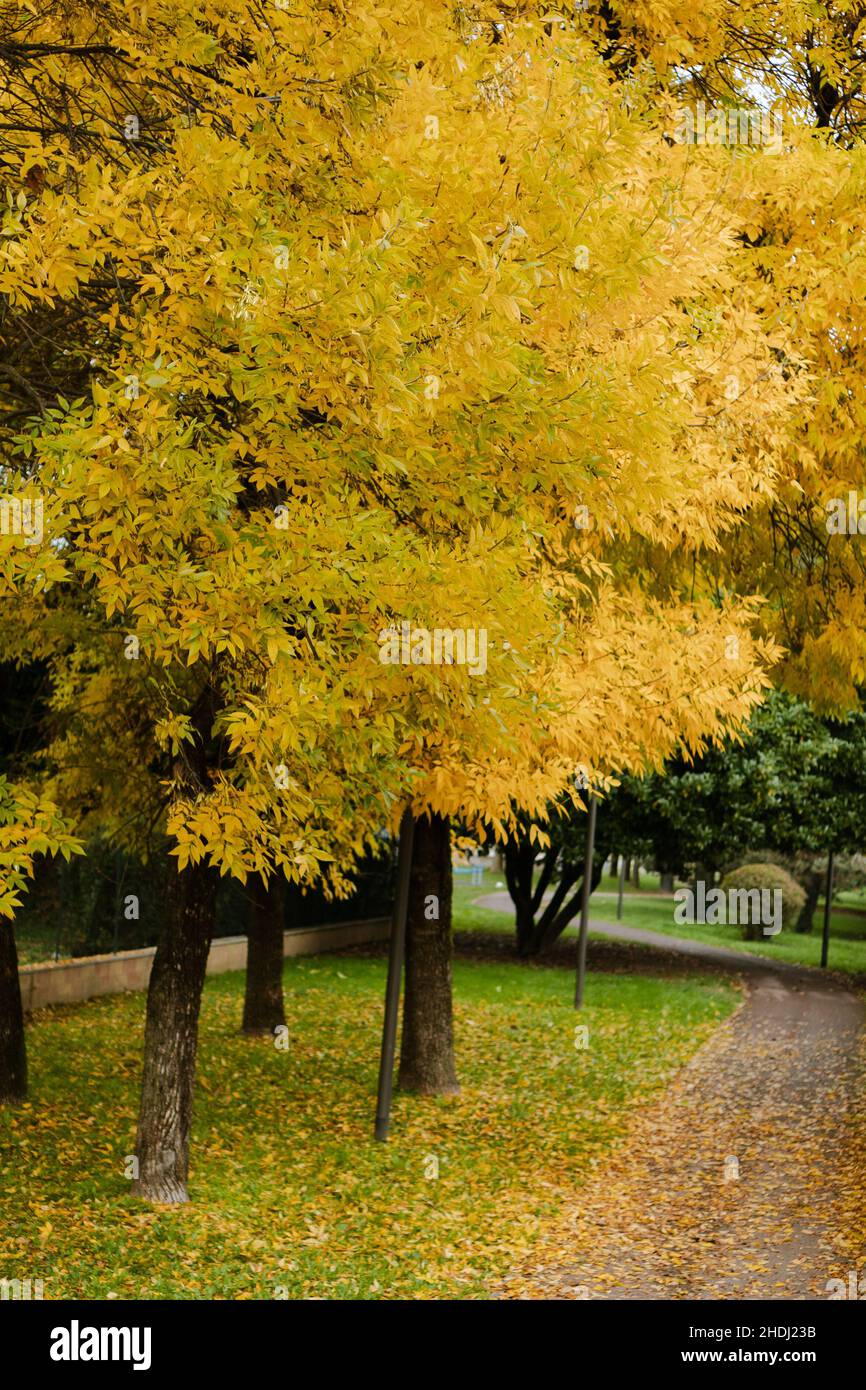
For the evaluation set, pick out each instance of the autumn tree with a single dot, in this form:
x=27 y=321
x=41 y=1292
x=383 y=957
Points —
x=800 y=259
x=379 y=320
x=29 y=826
x=168 y=621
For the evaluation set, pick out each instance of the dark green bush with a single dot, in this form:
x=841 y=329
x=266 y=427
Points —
x=771 y=877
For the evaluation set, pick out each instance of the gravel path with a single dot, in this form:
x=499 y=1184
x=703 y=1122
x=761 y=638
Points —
x=736 y=1183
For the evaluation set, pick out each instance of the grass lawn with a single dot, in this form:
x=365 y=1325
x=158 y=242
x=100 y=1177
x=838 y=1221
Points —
x=847 y=951
x=291 y=1197
x=643 y=908
x=467 y=917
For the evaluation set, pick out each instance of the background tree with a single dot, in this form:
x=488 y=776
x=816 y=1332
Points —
x=793 y=785
x=539 y=923
x=31 y=827
x=342 y=361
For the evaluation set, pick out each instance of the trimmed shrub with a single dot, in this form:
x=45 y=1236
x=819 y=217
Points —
x=769 y=877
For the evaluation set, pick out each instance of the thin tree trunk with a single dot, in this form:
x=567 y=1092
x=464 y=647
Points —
x=525 y=924
x=13 y=1048
x=171 y=1037
x=427 y=1047
x=539 y=924
x=812 y=883
x=703 y=875
x=519 y=861
x=566 y=914
x=666 y=882
x=263 y=1000
x=548 y=868
x=545 y=931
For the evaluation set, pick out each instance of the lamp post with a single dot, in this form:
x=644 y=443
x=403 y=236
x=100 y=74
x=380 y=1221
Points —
x=586 y=890
x=396 y=951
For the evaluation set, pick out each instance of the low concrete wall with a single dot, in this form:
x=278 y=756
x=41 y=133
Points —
x=72 y=981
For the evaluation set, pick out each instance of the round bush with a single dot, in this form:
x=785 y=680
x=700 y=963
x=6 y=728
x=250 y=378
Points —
x=771 y=877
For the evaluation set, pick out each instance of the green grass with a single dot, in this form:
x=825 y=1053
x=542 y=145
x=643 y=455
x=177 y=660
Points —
x=467 y=917
x=649 y=883
x=847 y=951
x=643 y=908
x=290 y=1194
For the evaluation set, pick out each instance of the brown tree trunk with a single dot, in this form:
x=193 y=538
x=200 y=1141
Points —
x=263 y=1000
x=811 y=883
x=519 y=864
x=427 y=1047
x=171 y=1037
x=13 y=1049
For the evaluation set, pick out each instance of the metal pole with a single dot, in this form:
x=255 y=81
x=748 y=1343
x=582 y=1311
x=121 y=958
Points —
x=828 y=894
x=620 y=887
x=395 y=975
x=118 y=899
x=584 y=903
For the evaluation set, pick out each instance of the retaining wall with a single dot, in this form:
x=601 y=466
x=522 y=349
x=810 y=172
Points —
x=72 y=981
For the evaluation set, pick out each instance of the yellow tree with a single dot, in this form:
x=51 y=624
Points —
x=29 y=826
x=804 y=549
x=801 y=261
x=369 y=311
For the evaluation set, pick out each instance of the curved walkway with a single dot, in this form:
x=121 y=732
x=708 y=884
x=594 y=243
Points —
x=744 y=1179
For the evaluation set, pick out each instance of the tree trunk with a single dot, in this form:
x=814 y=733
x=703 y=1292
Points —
x=666 y=882
x=525 y=923
x=811 y=883
x=171 y=1036
x=556 y=915
x=563 y=910
x=519 y=868
x=263 y=1000
x=427 y=1047
x=703 y=875
x=540 y=923
x=13 y=1049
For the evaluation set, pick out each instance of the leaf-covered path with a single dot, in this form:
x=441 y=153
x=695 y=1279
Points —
x=746 y=1180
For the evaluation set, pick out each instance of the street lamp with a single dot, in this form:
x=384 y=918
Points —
x=396 y=952
x=584 y=903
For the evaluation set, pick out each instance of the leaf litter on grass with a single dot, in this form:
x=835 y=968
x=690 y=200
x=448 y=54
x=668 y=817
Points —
x=291 y=1197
